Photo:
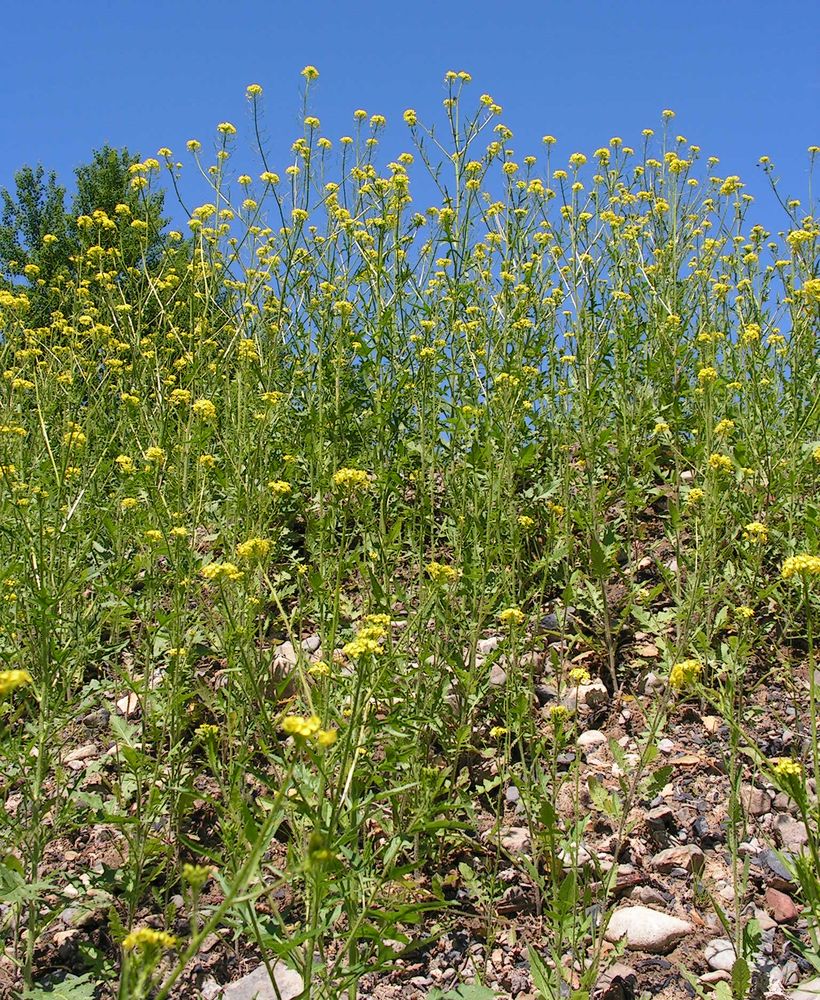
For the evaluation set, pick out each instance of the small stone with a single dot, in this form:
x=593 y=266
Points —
x=486 y=646
x=647 y=930
x=648 y=650
x=128 y=705
x=718 y=976
x=591 y=738
x=781 y=906
x=81 y=753
x=653 y=685
x=807 y=991
x=617 y=982
x=711 y=723
x=516 y=840
x=790 y=834
x=285 y=656
x=720 y=954
x=771 y=861
x=498 y=675
x=764 y=920
x=512 y=795
x=257 y=985
x=689 y=857
x=648 y=895
x=592 y=695
x=666 y=745
x=755 y=801
x=311 y=643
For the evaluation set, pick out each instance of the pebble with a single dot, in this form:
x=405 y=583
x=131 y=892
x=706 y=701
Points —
x=790 y=834
x=781 y=906
x=646 y=929
x=807 y=991
x=592 y=695
x=516 y=840
x=720 y=954
x=591 y=738
x=755 y=801
x=486 y=646
x=311 y=643
x=258 y=986
x=688 y=857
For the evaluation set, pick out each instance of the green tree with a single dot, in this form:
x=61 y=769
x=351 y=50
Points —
x=40 y=239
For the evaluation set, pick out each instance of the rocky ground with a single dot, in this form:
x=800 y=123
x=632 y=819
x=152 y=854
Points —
x=674 y=862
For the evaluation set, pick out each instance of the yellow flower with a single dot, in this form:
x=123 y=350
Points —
x=153 y=536
x=254 y=548
x=10 y=680
x=253 y=90
x=784 y=767
x=247 y=350
x=579 y=675
x=744 y=612
x=310 y=73
x=180 y=397
x=410 y=117
x=226 y=128
x=216 y=571
x=497 y=731
x=685 y=673
x=280 y=487
x=74 y=438
x=799 y=565
x=155 y=455
x=694 y=496
x=147 y=939
x=525 y=522
x=204 y=409
x=207 y=461
x=512 y=616
x=756 y=531
x=207 y=731
x=125 y=464
x=724 y=427
x=128 y=503
x=720 y=463
x=351 y=480
x=707 y=375
x=440 y=573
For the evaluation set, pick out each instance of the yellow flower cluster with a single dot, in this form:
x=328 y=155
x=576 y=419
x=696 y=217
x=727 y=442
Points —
x=368 y=639
x=756 y=531
x=204 y=409
x=799 y=565
x=218 y=571
x=10 y=680
x=308 y=727
x=720 y=463
x=512 y=616
x=685 y=673
x=254 y=548
x=785 y=767
x=147 y=939
x=351 y=480
x=441 y=573
x=280 y=487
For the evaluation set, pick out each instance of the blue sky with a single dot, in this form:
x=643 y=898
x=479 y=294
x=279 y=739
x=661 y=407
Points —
x=742 y=77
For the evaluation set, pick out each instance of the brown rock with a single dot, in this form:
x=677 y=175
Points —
x=689 y=857
x=781 y=906
x=755 y=801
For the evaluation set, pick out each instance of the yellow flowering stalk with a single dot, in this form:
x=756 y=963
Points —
x=11 y=680
x=800 y=565
x=684 y=674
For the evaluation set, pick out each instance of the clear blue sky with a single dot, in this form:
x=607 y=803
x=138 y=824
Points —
x=742 y=76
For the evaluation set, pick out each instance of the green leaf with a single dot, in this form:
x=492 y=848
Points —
x=71 y=988
x=741 y=977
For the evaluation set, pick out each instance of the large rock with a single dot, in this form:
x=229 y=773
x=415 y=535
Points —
x=258 y=986
x=646 y=929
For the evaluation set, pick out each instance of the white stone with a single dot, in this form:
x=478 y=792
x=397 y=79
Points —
x=646 y=929
x=258 y=986
x=807 y=991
